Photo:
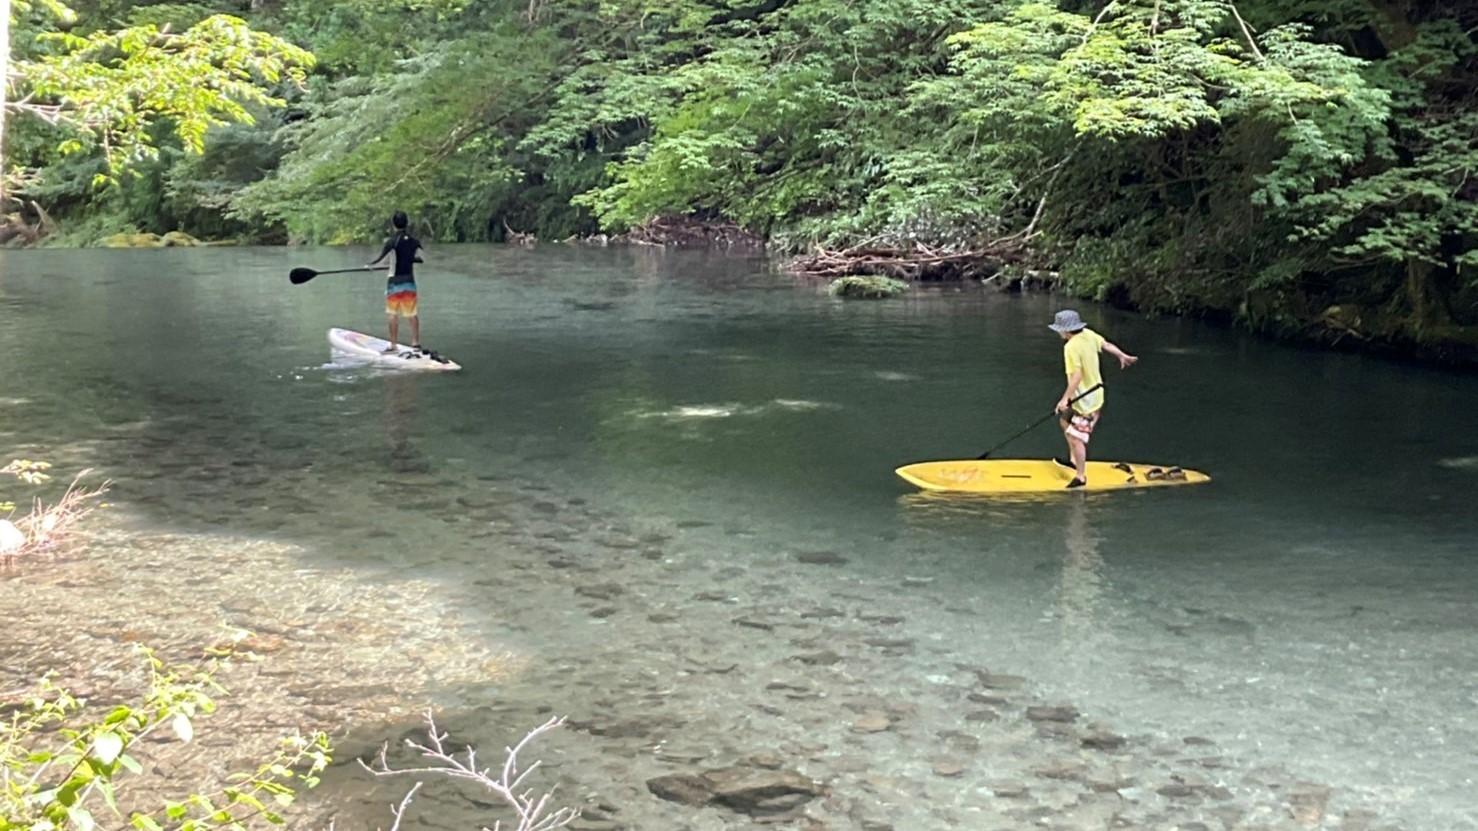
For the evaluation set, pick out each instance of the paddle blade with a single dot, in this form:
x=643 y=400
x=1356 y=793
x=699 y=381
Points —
x=301 y=275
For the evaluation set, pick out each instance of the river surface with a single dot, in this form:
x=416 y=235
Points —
x=1311 y=608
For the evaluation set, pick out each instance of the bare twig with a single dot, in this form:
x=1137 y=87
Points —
x=1246 y=31
x=1097 y=20
x=533 y=813
x=47 y=527
x=399 y=810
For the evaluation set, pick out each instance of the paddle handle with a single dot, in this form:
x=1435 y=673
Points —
x=1038 y=422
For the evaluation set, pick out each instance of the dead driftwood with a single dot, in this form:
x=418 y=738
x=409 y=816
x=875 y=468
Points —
x=690 y=232
x=917 y=262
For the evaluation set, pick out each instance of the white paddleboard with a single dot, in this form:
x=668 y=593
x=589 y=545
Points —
x=371 y=348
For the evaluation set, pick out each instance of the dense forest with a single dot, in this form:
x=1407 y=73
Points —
x=1306 y=168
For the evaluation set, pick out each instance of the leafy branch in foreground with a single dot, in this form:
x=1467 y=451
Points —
x=533 y=813
x=58 y=759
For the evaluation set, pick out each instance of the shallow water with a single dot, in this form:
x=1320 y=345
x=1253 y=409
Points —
x=698 y=422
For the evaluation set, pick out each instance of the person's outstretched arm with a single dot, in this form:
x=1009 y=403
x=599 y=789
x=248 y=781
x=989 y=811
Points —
x=1125 y=359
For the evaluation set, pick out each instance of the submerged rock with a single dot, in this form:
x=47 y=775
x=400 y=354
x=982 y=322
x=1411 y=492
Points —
x=146 y=240
x=757 y=793
x=872 y=287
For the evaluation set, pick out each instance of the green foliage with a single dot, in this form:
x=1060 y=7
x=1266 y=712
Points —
x=62 y=766
x=421 y=139
x=109 y=89
x=1175 y=154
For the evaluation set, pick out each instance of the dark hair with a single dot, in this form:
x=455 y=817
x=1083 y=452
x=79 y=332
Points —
x=400 y=220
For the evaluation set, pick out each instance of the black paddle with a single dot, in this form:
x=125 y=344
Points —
x=1035 y=424
x=303 y=275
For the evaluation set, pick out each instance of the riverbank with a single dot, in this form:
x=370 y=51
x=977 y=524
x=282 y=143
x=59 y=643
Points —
x=845 y=708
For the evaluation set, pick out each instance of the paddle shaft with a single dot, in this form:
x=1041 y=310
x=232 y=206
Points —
x=303 y=275
x=1035 y=424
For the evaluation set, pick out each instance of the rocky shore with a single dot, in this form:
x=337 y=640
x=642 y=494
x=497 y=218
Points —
x=702 y=691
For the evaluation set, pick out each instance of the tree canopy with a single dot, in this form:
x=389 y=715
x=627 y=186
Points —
x=1267 y=160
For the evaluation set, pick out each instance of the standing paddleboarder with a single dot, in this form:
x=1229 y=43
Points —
x=400 y=289
x=1078 y=418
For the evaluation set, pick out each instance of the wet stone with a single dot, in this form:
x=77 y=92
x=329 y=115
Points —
x=682 y=788
x=1057 y=730
x=982 y=716
x=822 y=612
x=1307 y=803
x=821 y=558
x=949 y=767
x=601 y=591
x=706 y=663
x=988 y=698
x=1100 y=738
x=872 y=722
x=620 y=543
x=823 y=658
x=682 y=755
x=583 y=823
x=1058 y=714
x=960 y=742
x=761 y=792
x=1176 y=790
x=1059 y=770
x=1008 y=790
x=994 y=681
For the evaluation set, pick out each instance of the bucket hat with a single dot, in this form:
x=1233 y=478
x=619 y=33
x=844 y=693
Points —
x=1066 y=320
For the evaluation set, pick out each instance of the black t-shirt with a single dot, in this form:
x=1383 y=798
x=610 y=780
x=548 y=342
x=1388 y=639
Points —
x=405 y=247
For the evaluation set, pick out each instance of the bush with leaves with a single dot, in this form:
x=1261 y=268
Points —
x=65 y=766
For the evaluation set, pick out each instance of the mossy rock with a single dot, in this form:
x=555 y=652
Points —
x=871 y=287
x=171 y=239
x=134 y=241
x=179 y=238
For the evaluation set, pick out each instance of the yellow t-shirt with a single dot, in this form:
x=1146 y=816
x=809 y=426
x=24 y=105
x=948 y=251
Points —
x=1080 y=353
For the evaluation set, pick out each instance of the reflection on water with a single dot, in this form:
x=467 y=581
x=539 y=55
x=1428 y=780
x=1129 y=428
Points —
x=1081 y=587
x=400 y=414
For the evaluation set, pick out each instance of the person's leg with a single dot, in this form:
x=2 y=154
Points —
x=416 y=331
x=394 y=332
x=1067 y=424
x=1079 y=431
x=1080 y=457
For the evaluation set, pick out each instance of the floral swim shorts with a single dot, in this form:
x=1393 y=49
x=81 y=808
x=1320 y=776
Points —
x=1080 y=426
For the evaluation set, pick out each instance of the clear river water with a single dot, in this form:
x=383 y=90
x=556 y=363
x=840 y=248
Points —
x=734 y=430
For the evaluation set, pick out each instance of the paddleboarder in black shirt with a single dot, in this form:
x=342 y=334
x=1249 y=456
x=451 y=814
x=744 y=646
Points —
x=400 y=289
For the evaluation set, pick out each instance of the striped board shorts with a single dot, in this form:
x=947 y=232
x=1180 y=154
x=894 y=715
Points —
x=1080 y=426
x=400 y=299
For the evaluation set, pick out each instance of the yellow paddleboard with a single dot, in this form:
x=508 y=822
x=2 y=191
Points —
x=1040 y=475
